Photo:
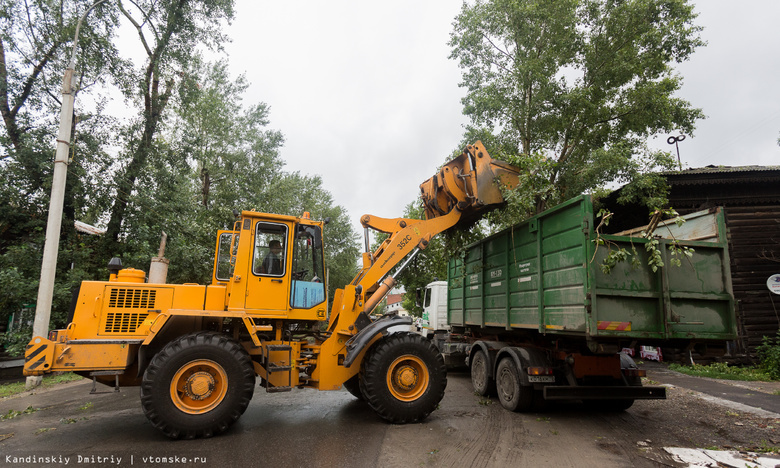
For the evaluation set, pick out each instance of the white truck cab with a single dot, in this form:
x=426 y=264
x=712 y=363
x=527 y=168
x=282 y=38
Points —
x=434 y=317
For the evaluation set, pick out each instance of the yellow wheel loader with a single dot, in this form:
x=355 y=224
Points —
x=197 y=350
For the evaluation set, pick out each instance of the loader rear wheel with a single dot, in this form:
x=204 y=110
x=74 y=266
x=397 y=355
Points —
x=512 y=394
x=404 y=378
x=481 y=379
x=197 y=385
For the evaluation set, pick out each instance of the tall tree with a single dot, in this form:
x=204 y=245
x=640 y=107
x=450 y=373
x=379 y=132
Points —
x=227 y=143
x=35 y=44
x=170 y=32
x=572 y=89
x=36 y=39
x=212 y=156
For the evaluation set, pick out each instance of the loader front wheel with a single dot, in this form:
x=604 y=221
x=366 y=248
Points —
x=404 y=378
x=353 y=387
x=197 y=385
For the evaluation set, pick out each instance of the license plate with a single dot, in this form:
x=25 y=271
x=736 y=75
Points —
x=541 y=378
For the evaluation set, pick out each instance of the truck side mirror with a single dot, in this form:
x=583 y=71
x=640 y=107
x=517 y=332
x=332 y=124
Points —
x=418 y=297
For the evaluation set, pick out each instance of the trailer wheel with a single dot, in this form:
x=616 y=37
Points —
x=197 y=385
x=481 y=380
x=353 y=387
x=404 y=378
x=512 y=394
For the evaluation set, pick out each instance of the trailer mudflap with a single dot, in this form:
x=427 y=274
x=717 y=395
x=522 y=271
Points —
x=604 y=393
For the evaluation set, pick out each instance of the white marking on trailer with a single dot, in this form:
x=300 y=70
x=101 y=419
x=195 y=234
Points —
x=473 y=288
x=497 y=284
x=524 y=279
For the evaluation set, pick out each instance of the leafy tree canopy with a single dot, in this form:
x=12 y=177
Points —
x=193 y=153
x=570 y=90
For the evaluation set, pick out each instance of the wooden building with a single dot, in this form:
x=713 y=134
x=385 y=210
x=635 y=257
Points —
x=750 y=196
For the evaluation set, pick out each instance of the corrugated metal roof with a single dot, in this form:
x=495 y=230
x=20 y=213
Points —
x=721 y=170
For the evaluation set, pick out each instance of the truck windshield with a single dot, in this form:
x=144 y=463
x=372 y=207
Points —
x=308 y=288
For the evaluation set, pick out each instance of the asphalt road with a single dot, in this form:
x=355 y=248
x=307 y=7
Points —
x=307 y=428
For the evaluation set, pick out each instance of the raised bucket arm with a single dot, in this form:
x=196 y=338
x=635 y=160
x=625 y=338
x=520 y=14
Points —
x=462 y=191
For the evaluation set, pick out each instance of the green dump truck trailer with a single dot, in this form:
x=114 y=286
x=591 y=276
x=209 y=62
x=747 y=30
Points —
x=537 y=319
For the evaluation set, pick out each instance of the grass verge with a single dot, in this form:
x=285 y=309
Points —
x=15 y=388
x=721 y=370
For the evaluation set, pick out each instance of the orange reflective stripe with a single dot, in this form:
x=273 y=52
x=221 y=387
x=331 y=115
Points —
x=614 y=326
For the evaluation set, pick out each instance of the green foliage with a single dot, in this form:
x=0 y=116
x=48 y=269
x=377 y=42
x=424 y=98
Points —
x=654 y=259
x=14 y=388
x=721 y=370
x=13 y=413
x=170 y=33
x=769 y=356
x=574 y=88
x=16 y=341
x=194 y=153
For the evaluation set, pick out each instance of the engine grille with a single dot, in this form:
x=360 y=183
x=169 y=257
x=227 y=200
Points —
x=123 y=322
x=123 y=298
x=128 y=321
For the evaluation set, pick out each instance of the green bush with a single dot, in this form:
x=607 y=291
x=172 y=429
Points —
x=16 y=341
x=769 y=356
x=721 y=370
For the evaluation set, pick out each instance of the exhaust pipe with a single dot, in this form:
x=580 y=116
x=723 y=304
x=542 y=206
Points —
x=158 y=270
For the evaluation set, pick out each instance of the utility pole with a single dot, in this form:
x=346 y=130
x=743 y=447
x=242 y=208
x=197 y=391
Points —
x=54 y=222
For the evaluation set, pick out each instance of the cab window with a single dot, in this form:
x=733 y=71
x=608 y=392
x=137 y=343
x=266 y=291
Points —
x=308 y=287
x=270 y=249
x=226 y=255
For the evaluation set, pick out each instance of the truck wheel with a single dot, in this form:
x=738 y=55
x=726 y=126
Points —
x=197 y=385
x=511 y=393
x=483 y=383
x=404 y=378
x=353 y=387
x=616 y=406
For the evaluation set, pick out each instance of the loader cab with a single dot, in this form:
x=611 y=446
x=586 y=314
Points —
x=273 y=266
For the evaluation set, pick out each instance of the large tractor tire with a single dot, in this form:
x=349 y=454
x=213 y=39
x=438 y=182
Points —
x=403 y=378
x=197 y=385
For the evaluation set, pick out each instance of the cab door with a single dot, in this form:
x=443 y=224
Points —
x=268 y=282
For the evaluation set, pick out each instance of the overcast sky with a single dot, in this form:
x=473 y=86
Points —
x=367 y=98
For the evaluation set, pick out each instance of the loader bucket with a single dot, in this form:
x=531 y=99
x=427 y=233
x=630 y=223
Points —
x=471 y=183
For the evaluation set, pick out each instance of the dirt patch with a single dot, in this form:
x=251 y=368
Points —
x=473 y=431
x=685 y=419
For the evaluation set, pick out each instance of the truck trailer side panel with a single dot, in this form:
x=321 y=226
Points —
x=544 y=275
